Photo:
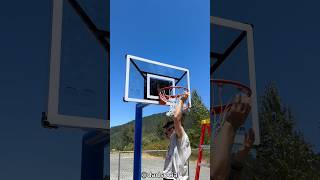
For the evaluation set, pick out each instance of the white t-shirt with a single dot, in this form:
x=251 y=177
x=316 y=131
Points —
x=179 y=151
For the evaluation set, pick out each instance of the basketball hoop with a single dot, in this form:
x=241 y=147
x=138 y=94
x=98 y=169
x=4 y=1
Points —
x=217 y=109
x=222 y=108
x=171 y=96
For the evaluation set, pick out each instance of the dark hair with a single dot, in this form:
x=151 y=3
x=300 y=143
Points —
x=168 y=124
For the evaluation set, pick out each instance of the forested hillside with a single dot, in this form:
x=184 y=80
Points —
x=122 y=137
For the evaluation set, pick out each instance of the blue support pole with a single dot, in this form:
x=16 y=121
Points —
x=92 y=161
x=138 y=142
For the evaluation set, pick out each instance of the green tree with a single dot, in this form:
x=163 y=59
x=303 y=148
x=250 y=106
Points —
x=198 y=112
x=283 y=153
x=127 y=137
x=159 y=130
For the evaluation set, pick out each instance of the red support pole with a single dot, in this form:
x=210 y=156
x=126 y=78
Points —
x=205 y=124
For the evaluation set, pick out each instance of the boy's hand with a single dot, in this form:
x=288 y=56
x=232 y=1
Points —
x=239 y=110
x=184 y=96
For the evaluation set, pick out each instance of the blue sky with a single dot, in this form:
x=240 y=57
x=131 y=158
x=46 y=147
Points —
x=173 y=32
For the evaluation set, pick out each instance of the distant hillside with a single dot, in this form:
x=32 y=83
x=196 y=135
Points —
x=122 y=137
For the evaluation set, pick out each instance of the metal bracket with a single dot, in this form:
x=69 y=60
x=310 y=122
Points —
x=45 y=123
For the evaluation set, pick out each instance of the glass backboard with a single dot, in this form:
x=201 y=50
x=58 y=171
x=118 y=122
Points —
x=79 y=65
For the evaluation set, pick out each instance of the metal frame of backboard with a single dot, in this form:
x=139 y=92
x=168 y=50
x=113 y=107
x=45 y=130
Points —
x=52 y=117
x=149 y=101
x=141 y=103
x=247 y=31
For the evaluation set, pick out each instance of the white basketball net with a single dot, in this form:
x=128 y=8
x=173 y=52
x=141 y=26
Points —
x=173 y=104
x=173 y=101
